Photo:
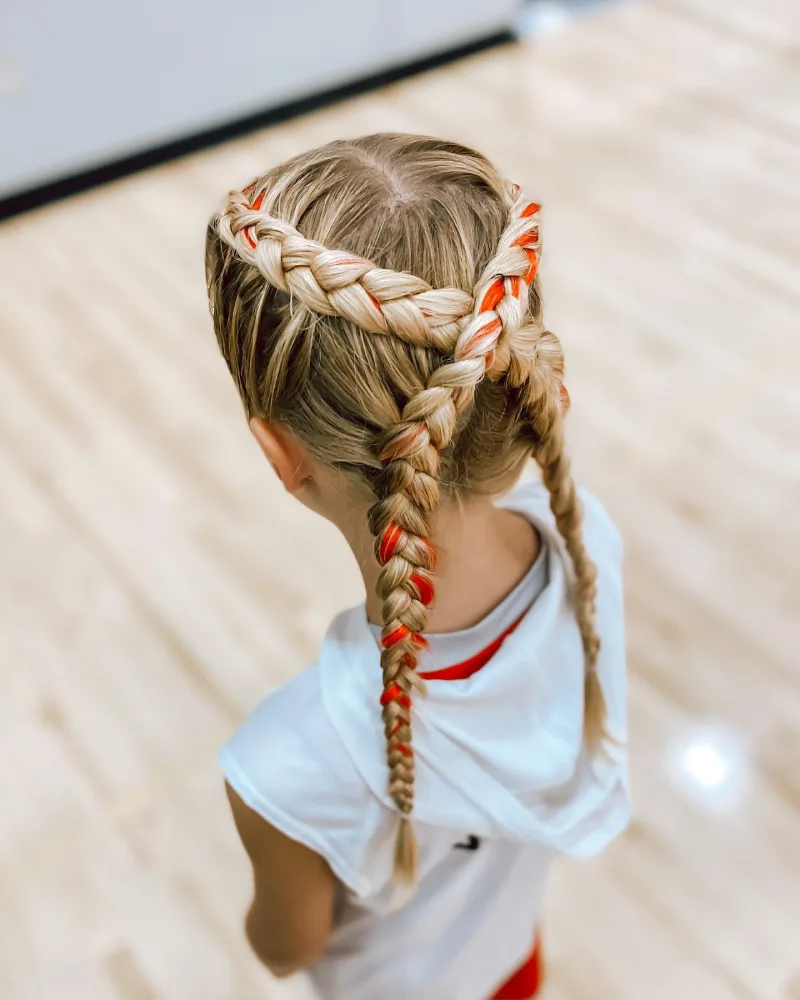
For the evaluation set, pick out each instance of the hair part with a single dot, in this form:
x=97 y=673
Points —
x=415 y=361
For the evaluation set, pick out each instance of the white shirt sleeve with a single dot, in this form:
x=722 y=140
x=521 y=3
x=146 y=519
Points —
x=286 y=763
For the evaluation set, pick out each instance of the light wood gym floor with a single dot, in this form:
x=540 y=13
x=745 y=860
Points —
x=156 y=582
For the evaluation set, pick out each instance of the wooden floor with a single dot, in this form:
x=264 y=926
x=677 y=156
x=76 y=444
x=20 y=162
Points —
x=155 y=582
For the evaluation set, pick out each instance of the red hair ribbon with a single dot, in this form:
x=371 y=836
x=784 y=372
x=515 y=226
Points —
x=397 y=634
x=389 y=542
x=527 y=241
x=533 y=257
x=485 y=335
x=424 y=588
x=254 y=207
x=494 y=293
x=400 y=632
x=393 y=692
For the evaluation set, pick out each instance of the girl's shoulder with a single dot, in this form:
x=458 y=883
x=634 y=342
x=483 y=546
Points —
x=287 y=762
x=293 y=708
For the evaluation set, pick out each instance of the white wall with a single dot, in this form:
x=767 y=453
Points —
x=87 y=81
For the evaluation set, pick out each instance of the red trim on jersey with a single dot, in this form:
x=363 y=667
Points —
x=460 y=671
x=526 y=981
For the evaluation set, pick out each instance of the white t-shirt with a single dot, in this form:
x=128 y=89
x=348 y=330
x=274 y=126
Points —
x=499 y=757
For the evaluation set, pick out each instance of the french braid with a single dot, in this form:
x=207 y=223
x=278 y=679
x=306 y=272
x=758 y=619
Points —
x=548 y=402
x=551 y=457
x=479 y=339
x=401 y=521
x=337 y=283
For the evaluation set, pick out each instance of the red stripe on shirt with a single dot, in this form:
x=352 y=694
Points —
x=526 y=981
x=460 y=671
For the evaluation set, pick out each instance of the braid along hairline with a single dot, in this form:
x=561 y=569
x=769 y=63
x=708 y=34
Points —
x=379 y=300
x=339 y=283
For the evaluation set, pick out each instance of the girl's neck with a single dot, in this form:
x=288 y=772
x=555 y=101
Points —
x=483 y=552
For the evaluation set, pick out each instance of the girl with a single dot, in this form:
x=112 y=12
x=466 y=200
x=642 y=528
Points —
x=378 y=306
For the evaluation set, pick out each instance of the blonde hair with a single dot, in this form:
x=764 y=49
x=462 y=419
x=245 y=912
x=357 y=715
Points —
x=414 y=360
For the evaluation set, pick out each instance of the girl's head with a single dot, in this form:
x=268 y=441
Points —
x=377 y=302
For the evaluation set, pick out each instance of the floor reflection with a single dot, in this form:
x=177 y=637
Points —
x=709 y=765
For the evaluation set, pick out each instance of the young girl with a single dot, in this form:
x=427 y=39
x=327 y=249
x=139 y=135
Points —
x=378 y=306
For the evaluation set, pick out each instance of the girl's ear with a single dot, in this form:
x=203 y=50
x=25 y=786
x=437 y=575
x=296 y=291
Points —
x=287 y=456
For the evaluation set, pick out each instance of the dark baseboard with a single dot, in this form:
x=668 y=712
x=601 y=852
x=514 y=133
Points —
x=86 y=179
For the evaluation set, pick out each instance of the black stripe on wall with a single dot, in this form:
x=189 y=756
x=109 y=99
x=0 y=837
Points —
x=86 y=179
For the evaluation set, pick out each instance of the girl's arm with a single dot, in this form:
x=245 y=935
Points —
x=291 y=916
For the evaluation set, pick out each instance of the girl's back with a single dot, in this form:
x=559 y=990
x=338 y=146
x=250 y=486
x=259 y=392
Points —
x=398 y=385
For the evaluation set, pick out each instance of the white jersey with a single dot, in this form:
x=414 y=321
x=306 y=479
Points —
x=502 y=783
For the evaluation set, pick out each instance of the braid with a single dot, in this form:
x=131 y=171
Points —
x=401 y=521
x=551 y=457
x=337 y=283
x=548 y=402
x=401 y=525
x=488 y=334
x=531 y=357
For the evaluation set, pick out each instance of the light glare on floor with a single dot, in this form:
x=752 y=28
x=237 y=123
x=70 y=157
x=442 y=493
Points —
x=705 y=764
x=709 y=765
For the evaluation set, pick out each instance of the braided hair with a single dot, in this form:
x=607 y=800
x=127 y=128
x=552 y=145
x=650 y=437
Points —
x=414 y=360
